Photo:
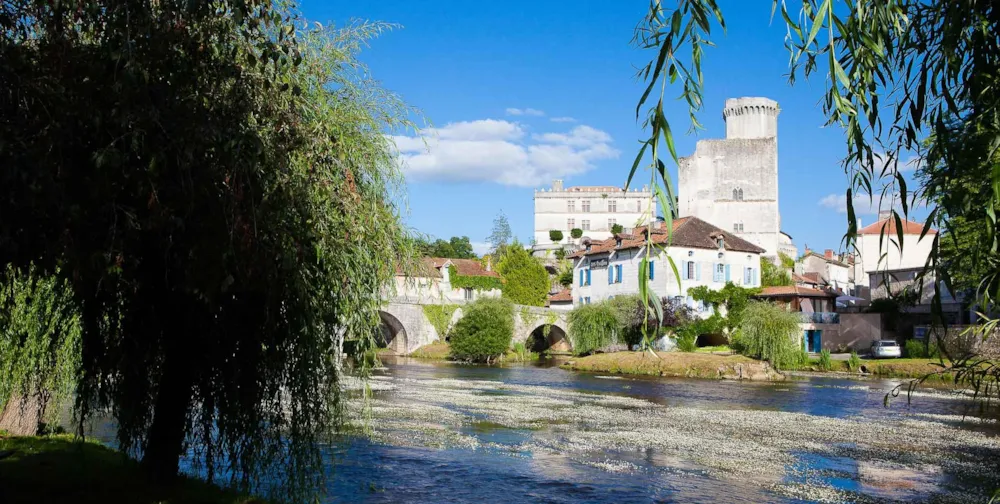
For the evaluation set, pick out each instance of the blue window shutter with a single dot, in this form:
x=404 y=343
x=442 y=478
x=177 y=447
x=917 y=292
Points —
x=727 y=272
x=684 y=270
x=697 y=271
x=618 y=273
x=581 y=282
x=754 y=275
x=652 y=270
x=611 y=278
x=588 y=277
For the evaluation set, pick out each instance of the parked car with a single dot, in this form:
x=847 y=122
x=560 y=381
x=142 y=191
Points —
x=886 y=349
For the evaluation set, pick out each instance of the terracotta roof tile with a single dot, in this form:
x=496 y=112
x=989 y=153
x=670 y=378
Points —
x=470 y=267
x=794 y=290
x=561 y=296
x=812 y=277
x=909 y=227
x=425 y=267
x=687 y=232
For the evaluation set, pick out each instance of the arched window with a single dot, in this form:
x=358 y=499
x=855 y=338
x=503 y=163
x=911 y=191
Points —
x=736 y=194
x=739 y=196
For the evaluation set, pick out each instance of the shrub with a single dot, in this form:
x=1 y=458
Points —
x=687 y=341
x=525 y=280
x=854 y=363
x=555 y=235
x=484 y=332
x=915 y=349
x=631 y=314
x=560 y=254
x=824 y=360
x=676 y=313
x=801 y=358
x=576 y=233
x=593 y=327
x=617 y=228
x=768 y=332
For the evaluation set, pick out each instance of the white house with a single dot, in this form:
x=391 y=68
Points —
x=703 y=254
x=429 y=281
x=879 y=251
x=592 y=209
x=830 y=270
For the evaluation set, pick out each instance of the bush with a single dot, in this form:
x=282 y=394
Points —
x=526 y=282
x=555 y=235
x=768 y=332
x=824 y=360
x=915 y=349
x=576 y=233
x=484 y=332
x=854 y=363
x=676 y=313
x=560 y=254
x=631 y=314
x=617 y=228
x=593 y=327
x=687 y=341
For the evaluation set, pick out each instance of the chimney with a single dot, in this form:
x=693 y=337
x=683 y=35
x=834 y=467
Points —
x=828 y=254
x=884 y=214
x=489 y=263
x=807 y=250
x=859 y=223
x=557 y=185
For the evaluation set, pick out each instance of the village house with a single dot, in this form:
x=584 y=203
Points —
x=829 y=269
x=878 y=250
x=703 y=254
x=430 y=281
x=819 y=322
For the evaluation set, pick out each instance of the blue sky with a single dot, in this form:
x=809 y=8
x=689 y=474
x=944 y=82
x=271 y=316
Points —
x=523 y=91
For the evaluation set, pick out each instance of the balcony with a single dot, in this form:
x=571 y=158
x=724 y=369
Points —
x=820 y=318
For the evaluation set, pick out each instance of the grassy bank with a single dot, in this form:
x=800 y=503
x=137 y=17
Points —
x=440 y=350
x=886 y=368
x=678 y=364
x=57 y=469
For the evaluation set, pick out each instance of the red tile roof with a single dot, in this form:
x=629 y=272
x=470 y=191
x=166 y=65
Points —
x=909 y=227
x=431 y=267
x=794 y=290
x=687 y=232
x=812 y=277
x=470 y=267
x=561 y=296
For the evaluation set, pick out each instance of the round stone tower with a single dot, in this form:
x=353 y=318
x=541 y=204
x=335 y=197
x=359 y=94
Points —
x=751 y=118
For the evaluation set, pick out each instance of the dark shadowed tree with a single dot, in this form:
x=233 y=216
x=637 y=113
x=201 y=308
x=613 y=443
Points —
x=214 y=182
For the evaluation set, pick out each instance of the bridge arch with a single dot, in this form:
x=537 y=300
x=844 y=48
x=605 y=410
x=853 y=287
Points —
x=393 y=333
x=548 y=337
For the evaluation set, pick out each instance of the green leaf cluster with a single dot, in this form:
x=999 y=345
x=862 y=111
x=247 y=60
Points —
x=594 y=327
x=555 y=235
x=484 y=332
x=731 y=299
x=768 y=332
x=525 y=280
x=39 y=340
x=576 y=233
x=479 y=283
x=772 y=275
x=440 y=316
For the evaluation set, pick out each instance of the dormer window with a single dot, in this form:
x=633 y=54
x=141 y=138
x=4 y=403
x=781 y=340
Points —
x=720 y=242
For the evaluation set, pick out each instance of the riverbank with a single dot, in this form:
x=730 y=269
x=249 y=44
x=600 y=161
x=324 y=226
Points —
x=58 y=469
x=676 y=364
x=933 y=369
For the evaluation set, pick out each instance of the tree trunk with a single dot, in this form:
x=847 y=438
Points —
x=165 y=442
x=20 y=416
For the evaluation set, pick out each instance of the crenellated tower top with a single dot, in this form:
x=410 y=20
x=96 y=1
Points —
x=751 y=117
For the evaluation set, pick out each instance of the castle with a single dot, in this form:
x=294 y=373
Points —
x=733 y=182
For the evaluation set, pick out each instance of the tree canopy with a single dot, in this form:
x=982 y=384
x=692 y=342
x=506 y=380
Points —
x=214 y=183
x=526 y=282
x=455 y=248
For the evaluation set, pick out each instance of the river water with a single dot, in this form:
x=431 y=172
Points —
x=443 y=432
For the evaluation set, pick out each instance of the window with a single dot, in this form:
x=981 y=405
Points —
x=738 y=194
x=570 y=224
x=585 y=225
x=638 y=206
x=738 y=227
x=741 y=195
x=586 y=205
x=719 y=274
x=652 y=270
x=571 y=205
x=611 y=223
x=588 y=277
x=690 y=270
x=618 y=273
x=468 y=294
x=748 y=276
x=612 y=205
x=720 y=242
x=587 y=300
x=581 y=278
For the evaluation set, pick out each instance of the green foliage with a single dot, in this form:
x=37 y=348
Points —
x=566 y=274
x=617 y=228
x=854 y=362
x=500 y=236
x=455 y=248
x=824 y=360
x=687 y=341
x=631 y=315
x=576 y=233
x=768 y=332
x=687 y=333
x=556 y=235
x=786 y=262
x=732 y=298
x=525 y=280
x=39 y=340
x=916 y=349
x=479 y=283
x=560 y=254
x=439 y=316
x=772 y=275
x=484 y=332
x=219 y=188
x=593 y=327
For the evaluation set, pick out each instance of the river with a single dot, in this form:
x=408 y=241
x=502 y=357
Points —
x=443 y=432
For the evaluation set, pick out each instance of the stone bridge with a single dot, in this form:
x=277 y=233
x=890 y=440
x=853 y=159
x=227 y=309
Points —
x=406 y=328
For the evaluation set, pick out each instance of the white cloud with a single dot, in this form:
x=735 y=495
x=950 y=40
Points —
x=863 y=205
x=525 y=112
x=480 y=248
x=562 y=119
x=490 y=150
x=881 y=160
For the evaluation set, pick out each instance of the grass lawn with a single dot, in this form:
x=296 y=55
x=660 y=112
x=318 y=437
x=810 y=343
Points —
x=679 y=364
x=888 y=368
x=57 y=469
x=712 y=349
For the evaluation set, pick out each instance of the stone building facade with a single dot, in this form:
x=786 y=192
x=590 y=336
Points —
x=733 y=182
x=592 y=209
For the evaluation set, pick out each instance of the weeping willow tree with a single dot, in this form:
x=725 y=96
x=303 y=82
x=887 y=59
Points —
x=215 y=183
x=39 y=349
x=900 y=78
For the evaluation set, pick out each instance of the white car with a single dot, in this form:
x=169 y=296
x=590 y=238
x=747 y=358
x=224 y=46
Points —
x=886 y=349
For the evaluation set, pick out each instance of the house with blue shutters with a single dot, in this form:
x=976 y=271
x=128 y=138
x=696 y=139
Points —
x=701 y=253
